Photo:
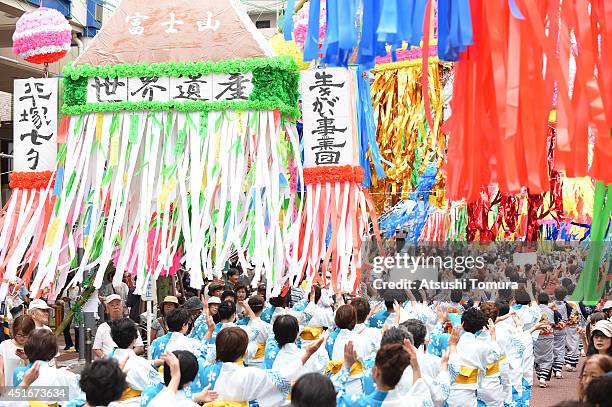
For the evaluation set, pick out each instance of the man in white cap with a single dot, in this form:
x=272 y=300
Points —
x=103 y=343
x=39 y=310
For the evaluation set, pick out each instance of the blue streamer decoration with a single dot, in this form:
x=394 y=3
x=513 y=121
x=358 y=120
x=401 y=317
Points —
x=59 y=179
x=406 y=213
x=388 y=26
x=367 y=130
x=369 y=46
x=331 y=43
x=311 y=46
x=418 y=15
x=454 y=28
x=394 y=23
x=341 y=32
x=288 y=21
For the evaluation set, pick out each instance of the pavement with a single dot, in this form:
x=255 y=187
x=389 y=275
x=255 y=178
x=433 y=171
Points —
x=558 y=390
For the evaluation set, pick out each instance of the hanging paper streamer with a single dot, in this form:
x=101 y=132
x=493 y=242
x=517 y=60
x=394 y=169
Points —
x=288 y=21
x=412 y=213
x=384 y=28
x=236 y=163
x=332 y=176
x=454 y=28
x=369 y=152
x=515 y=63
x=301 y=23
x=405 y=140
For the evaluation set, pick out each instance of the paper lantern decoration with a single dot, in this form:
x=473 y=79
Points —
x=337 y=209
x=42 y=36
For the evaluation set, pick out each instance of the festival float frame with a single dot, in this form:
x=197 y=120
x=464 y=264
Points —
x=173 y=101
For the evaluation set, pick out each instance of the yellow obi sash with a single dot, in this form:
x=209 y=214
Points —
x=36 y=403
x=467 y=375
x=129 y=393
x=261 y=351
x=221 y=403
x=334 y=366
x=311 y=333
x=493 y=369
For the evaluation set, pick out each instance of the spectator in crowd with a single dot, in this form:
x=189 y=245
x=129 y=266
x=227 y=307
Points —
x=601 y=337
x=103 y=342
x=595 y=366
x=12 y=354
x=159 y=326
x=40 y=348
x=599 y=392
x=39 y=310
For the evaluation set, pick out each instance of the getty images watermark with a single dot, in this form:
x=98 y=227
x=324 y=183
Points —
x=407 y=272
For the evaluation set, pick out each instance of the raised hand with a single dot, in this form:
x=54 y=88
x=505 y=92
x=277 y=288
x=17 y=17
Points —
x=31 y=375
x=414 y=362
x=350 y=356
x=454 y=338
x=441 y=314
x=205 y=396
x=491 y=326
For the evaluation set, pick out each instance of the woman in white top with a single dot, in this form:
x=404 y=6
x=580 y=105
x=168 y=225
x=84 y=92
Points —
x=41 y=347
x=140 y=372
x=11 y=350
x=236 y=383
x=180 y=369
x=291 y=361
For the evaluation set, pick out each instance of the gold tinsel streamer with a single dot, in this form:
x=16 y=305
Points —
x=400 y=114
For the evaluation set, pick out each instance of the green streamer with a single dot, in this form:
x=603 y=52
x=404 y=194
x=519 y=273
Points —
x=114 y=124
x=203 y=125
x=588 y=288
x=133 y=134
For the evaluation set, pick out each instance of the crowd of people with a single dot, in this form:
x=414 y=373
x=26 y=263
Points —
x=235 y=347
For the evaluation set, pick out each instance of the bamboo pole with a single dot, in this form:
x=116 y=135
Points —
x=80 y=301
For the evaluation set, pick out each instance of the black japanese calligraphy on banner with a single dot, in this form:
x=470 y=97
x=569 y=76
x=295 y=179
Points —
x=209 y=88
x=328 y=111
x=35 y=124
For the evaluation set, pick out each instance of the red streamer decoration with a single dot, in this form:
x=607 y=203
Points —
x=503 y=94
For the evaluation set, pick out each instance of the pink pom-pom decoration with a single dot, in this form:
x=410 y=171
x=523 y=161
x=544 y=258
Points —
x=42 y=36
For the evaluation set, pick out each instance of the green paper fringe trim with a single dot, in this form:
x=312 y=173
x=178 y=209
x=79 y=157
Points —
x=192 y=106
x=275 y=85
x=176 y=69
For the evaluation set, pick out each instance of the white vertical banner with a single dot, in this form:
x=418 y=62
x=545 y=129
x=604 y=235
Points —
x=35 y=124
x=329 y=131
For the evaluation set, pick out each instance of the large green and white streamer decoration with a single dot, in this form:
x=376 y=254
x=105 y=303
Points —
x=205 y=178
